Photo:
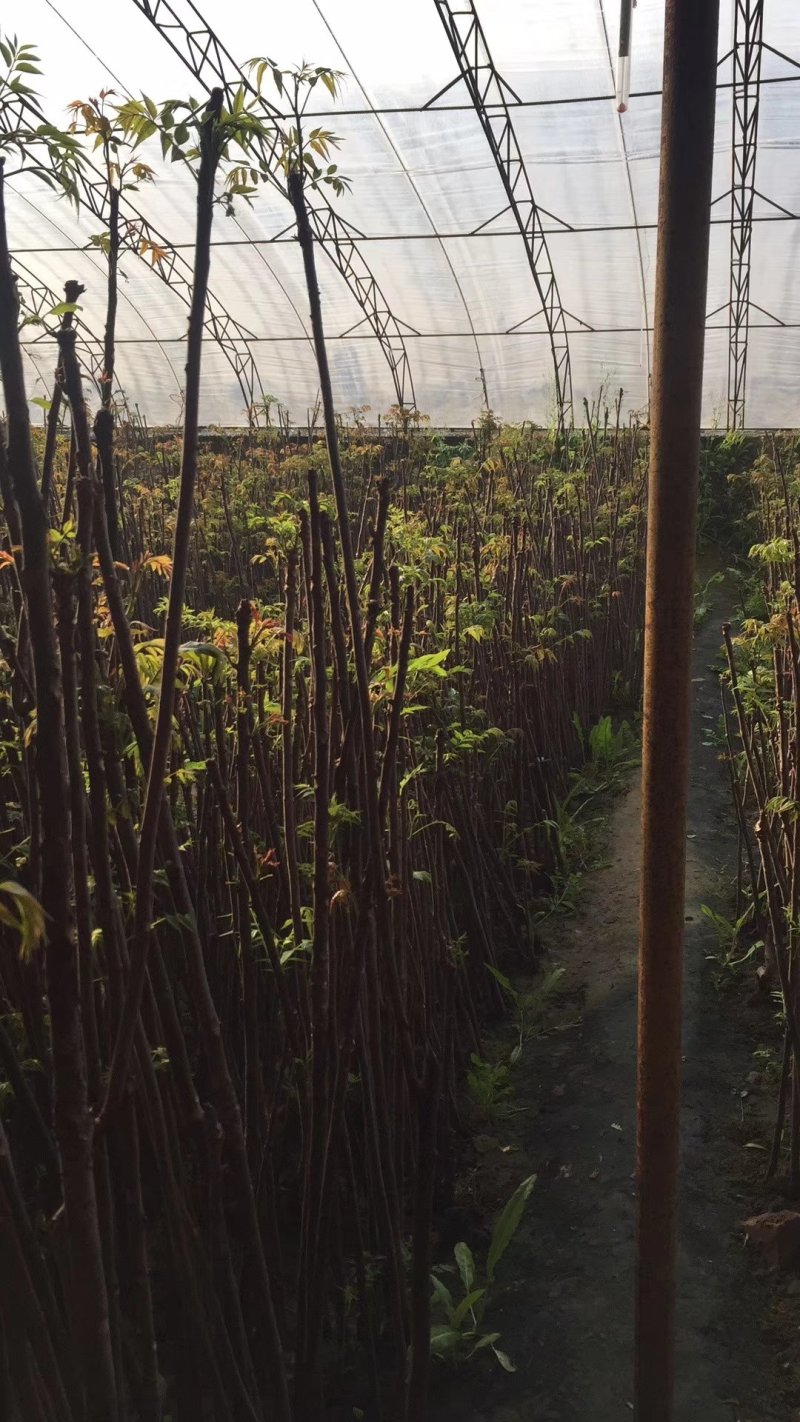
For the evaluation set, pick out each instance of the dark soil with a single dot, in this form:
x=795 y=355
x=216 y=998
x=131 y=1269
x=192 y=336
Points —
x=565 y=1309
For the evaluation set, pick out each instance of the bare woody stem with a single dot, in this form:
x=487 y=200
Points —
x=89 y=1300
x=120 y=1063
x=104 y=420
x=375 y=876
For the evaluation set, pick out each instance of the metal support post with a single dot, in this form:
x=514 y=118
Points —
x=687 y=148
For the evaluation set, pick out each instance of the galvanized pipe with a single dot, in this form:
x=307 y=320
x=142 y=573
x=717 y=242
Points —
x=687 y=143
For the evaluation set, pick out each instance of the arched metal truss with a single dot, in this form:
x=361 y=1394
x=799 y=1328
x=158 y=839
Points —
x=37 y=299
x=489 y=94
x=741 y=207
x=139 y=236
x=180 y=23
x=748 y=33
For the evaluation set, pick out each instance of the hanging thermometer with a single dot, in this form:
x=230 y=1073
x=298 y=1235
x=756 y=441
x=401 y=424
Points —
x=624 y=61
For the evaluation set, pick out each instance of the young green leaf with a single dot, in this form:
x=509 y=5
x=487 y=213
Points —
x=466 y=1265
x=64 y=308
x=503 y=1359
x=486 y=1340
x=25 y=916
x=442 y=1295
x=507 y=1224
x=444 y=1339
x=466 y=1306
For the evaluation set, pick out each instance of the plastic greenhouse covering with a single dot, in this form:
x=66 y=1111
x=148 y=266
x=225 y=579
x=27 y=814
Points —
x=430 y=209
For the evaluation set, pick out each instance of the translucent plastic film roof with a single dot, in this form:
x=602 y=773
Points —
x=435 y=301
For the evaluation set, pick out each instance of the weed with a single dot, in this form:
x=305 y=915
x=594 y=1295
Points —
x=458 y=1335
x=729 y=932
x=530 y=1006
x=611 y=749
x=702 y=601
x=489 y=1087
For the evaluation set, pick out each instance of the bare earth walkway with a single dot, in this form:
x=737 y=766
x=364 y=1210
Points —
x=566 y=1315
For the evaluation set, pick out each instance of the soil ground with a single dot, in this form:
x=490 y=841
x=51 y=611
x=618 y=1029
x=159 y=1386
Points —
x=565 y=1312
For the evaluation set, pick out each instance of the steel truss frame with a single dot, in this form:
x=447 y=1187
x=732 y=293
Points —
x=489 y=95
x=36 y=299
x=746 y=54
x=173 y=268
x=204 y=54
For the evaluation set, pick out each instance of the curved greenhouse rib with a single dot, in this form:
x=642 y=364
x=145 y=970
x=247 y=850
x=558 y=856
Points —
x=255 y=247
x=409 y=176
x=173 y=268
x=196 y=44
x=485 y=87
x=123 y=296
x=635 y=227
x=36 y=298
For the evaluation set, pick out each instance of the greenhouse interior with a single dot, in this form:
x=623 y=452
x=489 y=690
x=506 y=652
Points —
x=399 y=711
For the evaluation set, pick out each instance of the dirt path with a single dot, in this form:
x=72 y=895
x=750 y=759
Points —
x=566 y=1316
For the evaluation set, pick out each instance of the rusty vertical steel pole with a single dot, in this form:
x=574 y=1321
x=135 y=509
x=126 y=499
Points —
x=687 y=145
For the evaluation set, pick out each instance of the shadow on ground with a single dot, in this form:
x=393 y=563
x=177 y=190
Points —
x=566 y=1311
